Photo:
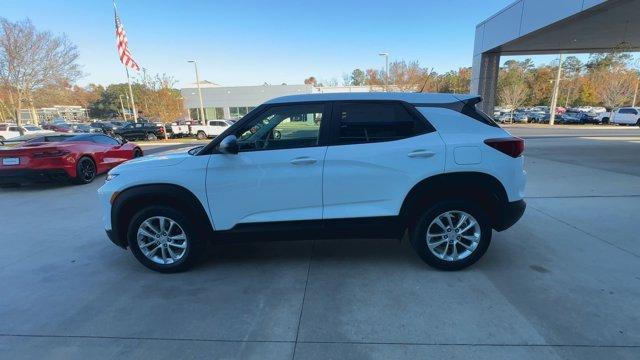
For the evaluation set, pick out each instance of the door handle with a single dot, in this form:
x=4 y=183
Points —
x=304 y=160
x=421 y=154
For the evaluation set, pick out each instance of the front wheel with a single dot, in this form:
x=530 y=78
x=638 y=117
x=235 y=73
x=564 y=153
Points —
x=451 y=235
x=151 y=137
x=201 y=135
x=164 y=239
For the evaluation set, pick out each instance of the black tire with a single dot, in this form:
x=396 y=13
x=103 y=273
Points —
x=137 y=152
x=86 y=171
x=195 y=247
x=605 y=121
x=151 y=137
x=201 y=135
x=419 y=235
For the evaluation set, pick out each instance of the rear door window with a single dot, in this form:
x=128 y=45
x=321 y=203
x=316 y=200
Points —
x=368 y=122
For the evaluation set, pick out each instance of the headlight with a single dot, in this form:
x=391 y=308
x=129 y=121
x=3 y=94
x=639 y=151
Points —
x=111 y=176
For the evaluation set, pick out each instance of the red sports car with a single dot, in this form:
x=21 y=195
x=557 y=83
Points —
x=54 y=157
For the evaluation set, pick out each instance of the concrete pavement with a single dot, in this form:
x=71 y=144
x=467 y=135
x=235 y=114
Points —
x=563 y=283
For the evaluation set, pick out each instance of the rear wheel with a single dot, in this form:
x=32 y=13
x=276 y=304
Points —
x=164 y=239
x=151 y=137
x=451 y=235
x=85 y=171
x=201 y=135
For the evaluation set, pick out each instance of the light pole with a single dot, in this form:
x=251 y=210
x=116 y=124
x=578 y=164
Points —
x=635 y=93
x=203 y=119
x=124 y=116
x=386 y=69
x=554 y=95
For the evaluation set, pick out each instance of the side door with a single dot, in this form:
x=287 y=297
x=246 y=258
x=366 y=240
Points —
x=632 y=117
x=624 y=116
x=271 y=180
x=111 y=150
x=218 y=127
x=377 y=152
x=14 y=131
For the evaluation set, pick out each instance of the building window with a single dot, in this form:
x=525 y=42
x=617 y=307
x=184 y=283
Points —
x=214 y=113
x=195 y=114
x=238 y=112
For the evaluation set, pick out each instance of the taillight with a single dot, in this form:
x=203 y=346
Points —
x=50 y=153
x=512 y=146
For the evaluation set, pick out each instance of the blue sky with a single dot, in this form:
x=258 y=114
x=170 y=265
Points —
x=252 y=42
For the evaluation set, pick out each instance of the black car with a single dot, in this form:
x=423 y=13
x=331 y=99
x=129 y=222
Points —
x=590 y=118
x=105 y=127
x=144 y=131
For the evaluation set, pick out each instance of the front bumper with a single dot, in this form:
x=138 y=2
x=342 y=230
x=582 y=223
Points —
x=19 y=176
x=114 y=238
x=510 y=213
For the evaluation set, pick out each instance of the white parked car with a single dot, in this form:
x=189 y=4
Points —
x=12 y=131
x=622 y=116
x=352 y=165
x=213 y=128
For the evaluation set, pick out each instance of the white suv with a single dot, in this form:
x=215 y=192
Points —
x=357 y=165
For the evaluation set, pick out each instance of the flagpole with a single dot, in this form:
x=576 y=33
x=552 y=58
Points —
x=133 y=104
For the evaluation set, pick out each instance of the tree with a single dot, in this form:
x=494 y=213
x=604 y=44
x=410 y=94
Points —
x=311 y=80
x=357 y=77
x=614 y=87
x=572 y=69
x=31 y=59
x=512 y=86
x=374 y=77
x=406 y=77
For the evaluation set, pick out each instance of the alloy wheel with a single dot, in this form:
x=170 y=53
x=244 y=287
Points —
x=87 y=170
x=453 y=235
x=162 y=240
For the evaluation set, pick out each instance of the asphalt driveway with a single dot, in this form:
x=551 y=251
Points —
x=563 y=283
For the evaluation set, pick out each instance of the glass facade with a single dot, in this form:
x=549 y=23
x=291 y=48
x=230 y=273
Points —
x=217 y=113
x=211 y=113
x=240 y=111
x=214 y=113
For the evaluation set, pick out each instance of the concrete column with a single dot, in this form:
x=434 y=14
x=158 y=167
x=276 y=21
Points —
x=484 y=80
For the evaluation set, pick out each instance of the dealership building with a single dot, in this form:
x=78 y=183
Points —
x=536 y=27
x=233 y=102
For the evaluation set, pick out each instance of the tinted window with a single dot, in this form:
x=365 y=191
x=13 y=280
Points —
x=282 y=127
x=362 y=122
x=625 y=111
x=105 y=140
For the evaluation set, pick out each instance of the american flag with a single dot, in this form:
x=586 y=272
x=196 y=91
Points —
x=123 y=48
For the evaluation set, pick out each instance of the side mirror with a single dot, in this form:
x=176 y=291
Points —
x=229 y=145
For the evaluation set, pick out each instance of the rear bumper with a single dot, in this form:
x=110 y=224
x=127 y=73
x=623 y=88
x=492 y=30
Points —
x=509 y=215
x=32 y=175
